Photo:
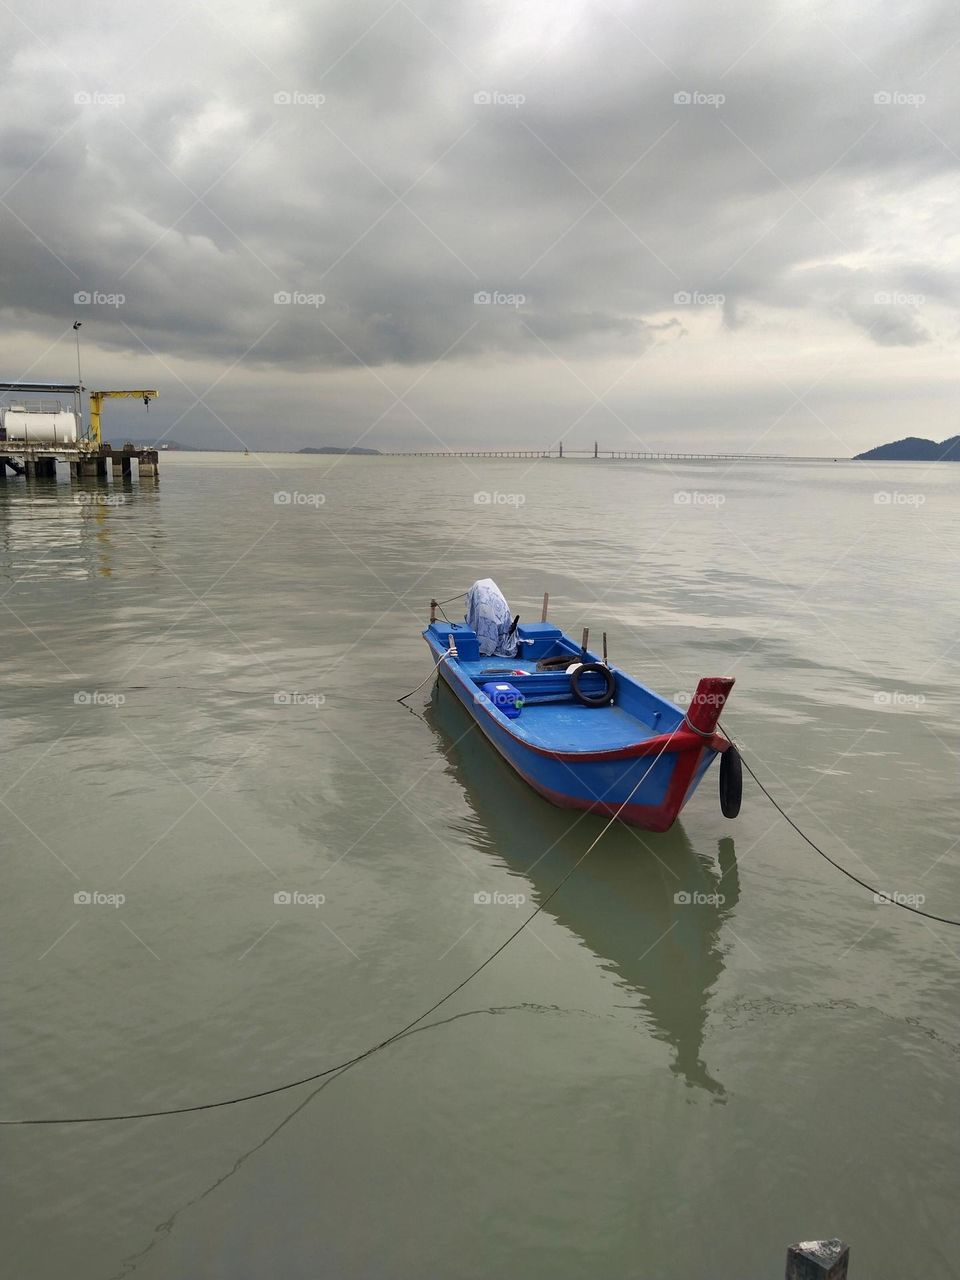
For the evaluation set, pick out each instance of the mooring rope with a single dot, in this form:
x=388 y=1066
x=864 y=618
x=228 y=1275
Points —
x=340 y=1067
x=877 y=893
x=447 y=653
x=375 y=1048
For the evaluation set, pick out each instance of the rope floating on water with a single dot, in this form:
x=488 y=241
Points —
x=877 y=893
x=391 y=1039
x=367 y=1053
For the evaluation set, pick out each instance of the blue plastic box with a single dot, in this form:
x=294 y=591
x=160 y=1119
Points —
x=505 y=697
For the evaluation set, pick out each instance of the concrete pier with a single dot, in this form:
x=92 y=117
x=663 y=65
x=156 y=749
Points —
x=86 y=462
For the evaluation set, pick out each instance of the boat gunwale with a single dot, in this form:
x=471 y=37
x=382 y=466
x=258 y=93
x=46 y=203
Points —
x=680 y=740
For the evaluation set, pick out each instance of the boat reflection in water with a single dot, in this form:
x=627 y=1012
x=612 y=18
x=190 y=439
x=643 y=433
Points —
x=648 y=906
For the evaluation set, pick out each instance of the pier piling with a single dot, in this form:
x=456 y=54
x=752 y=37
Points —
x=818 y=1260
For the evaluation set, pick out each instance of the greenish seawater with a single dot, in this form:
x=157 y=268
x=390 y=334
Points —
x=199 y=714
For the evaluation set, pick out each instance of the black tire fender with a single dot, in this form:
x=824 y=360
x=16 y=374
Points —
x=731 y=782
x=595 y=699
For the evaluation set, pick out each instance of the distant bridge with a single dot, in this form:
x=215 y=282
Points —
x=629 y=455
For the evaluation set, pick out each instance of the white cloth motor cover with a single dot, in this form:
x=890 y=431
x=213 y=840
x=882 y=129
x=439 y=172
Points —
x=489 y=615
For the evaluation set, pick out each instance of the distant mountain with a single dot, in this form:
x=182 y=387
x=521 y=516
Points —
x=914 y=449
x=332 y=448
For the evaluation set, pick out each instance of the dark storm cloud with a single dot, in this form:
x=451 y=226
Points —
x=578 y=184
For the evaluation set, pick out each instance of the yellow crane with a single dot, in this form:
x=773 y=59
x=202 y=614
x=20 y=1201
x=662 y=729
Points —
x=96 y=404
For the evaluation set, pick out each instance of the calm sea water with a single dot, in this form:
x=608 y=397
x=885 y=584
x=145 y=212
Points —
x=199 y=715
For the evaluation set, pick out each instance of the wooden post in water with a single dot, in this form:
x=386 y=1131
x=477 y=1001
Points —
x=586 y=637
x=543 y=611
x=818 y=1260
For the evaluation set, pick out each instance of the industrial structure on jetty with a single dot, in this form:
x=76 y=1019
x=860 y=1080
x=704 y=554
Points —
x=41 y=424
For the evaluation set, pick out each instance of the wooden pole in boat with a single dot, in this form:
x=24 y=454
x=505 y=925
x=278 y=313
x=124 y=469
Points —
x=605 y=663
x=818 y=1260
x=583 y=642
x=433 y=610
x=543 y=611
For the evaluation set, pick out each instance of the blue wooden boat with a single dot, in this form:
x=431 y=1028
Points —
x=589 y=738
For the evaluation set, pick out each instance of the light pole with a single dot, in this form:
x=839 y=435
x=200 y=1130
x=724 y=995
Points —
x=76 y=330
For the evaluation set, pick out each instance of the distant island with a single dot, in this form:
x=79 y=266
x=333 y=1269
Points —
x=914 y=449
x=333 y=448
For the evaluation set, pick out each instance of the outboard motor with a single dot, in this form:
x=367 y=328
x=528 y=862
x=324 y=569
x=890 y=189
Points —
x=488 y=614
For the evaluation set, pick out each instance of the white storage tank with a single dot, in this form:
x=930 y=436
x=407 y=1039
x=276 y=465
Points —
x=33 y=426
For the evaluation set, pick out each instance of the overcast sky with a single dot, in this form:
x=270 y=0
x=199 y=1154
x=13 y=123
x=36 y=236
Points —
x=727 y=226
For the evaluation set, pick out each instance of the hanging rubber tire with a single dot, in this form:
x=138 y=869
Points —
x=731 y=782
x=593 y=699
